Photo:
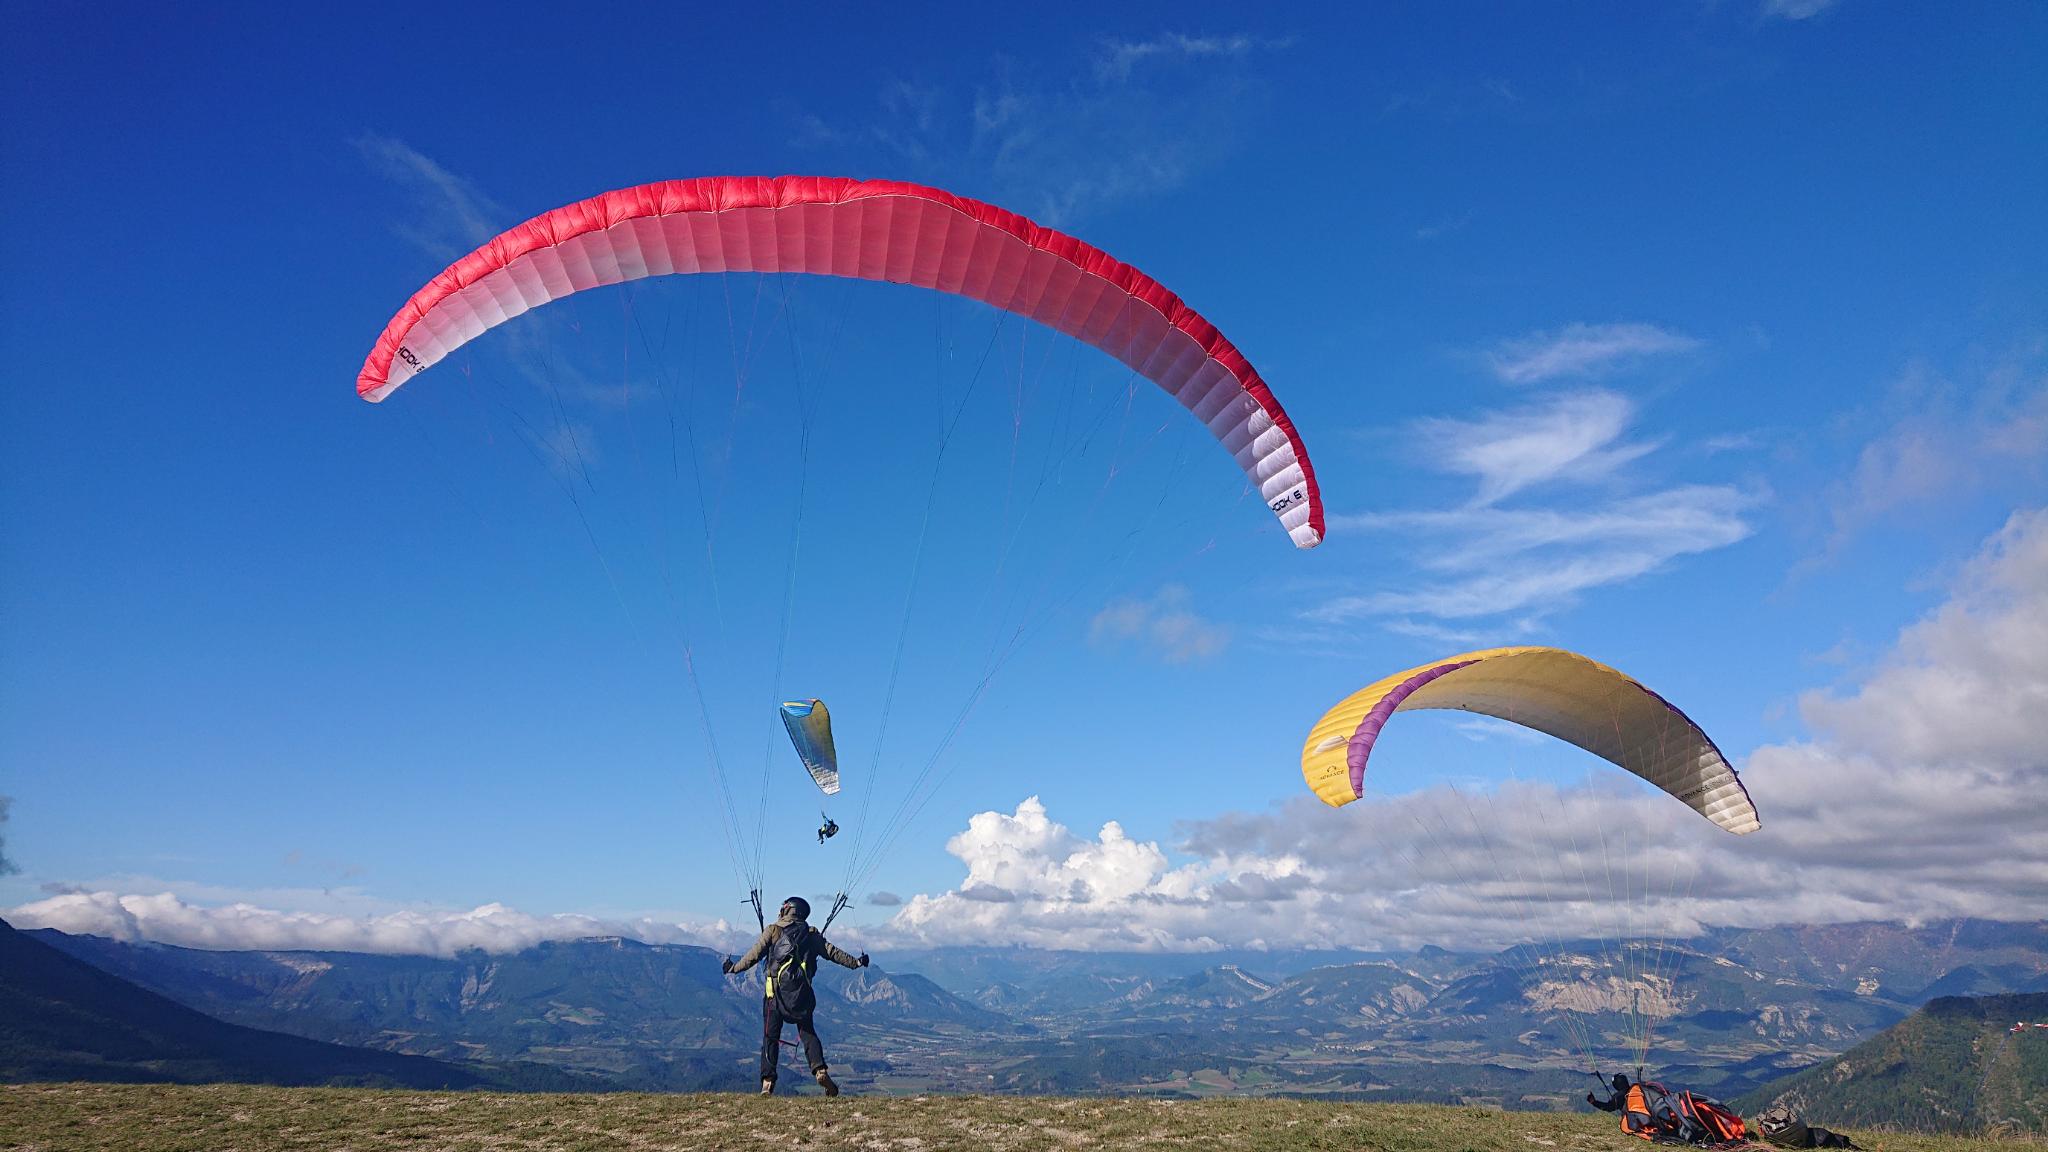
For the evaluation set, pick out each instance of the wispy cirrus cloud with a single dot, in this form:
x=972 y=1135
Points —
x=449 y=215
x=1478 y=537
x=1128 y=119
x=7 y=866
x=1484 y=728
x=1119 y=57
x=1437 y=229
x=1438 y=632
x=1796 y=9
x=445 y=215
x=1164 y=626
x=1488 y=557
x=1501 y=561
x=1733 y=442
x=1573 y=437
x=1580 y=351
x=1942 y=441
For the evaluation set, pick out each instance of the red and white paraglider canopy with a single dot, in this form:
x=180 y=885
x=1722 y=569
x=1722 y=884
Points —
x=869 y=230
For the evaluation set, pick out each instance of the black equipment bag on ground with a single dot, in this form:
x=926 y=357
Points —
x=1777 y=1125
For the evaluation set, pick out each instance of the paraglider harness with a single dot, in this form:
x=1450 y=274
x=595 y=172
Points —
x=828 y=829
x=1662 y=1115
x=791 y=964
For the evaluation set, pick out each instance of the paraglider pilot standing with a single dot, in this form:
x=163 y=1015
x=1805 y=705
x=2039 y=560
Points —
x=791 y=948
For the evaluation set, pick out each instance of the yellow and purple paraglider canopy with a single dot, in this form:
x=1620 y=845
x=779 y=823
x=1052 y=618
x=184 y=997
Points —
x=1563 y=694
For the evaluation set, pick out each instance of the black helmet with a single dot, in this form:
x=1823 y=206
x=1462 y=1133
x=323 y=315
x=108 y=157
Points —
x=1620 y=1082
x=798 y=905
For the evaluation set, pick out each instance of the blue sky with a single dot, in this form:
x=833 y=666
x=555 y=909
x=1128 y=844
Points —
x=1706 y=340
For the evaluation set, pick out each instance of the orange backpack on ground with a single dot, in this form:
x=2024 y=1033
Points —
x=1639 y=1110
x=1679 y=1116
x=1718 y=1124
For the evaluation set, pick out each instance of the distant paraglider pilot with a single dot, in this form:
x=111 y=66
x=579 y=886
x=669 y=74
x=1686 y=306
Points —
x=791 y=948
x=827 y=830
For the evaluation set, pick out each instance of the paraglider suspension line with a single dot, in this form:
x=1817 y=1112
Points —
x=838 y=906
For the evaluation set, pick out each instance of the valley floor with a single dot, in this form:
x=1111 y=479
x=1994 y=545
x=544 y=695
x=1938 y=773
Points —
x=237 y=1118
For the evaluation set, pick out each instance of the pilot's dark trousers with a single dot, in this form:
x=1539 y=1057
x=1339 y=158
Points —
x=772 y=1020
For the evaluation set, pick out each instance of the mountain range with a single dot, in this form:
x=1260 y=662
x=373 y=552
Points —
x=1733 y=1010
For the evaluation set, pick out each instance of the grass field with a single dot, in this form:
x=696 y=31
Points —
x=235 y=1118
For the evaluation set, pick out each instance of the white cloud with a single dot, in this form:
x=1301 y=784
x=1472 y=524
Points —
x=1143 y=117
x=1583 y=350
x=1796 y=9
x=1576 y=437
x=569 y=449
x=447 y=216
x=1164 y=626
x=1918 y=797
x=1033 y=881
x=7 y=866
x=450 y=215
x=1923 y=789
x=1500 y=560
x=1429 y=868
x=1499 y=553
x=1969 y=684
x=1732 y=442
x=1942 y=443
x=1026 y=854
x=1444 y=227
x=1440 y=634
x=1483 y=728
x=1667 y=521
x=1120 y=56
x=169 y=919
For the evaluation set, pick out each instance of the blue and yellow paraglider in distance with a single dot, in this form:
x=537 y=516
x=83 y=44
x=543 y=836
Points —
x=809 y=725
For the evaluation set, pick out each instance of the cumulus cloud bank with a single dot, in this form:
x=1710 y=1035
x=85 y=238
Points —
x=1919 y=796
x=1031 y=880
x=169 y=919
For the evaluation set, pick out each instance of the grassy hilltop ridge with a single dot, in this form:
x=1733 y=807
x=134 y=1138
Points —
x=239 y=1118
